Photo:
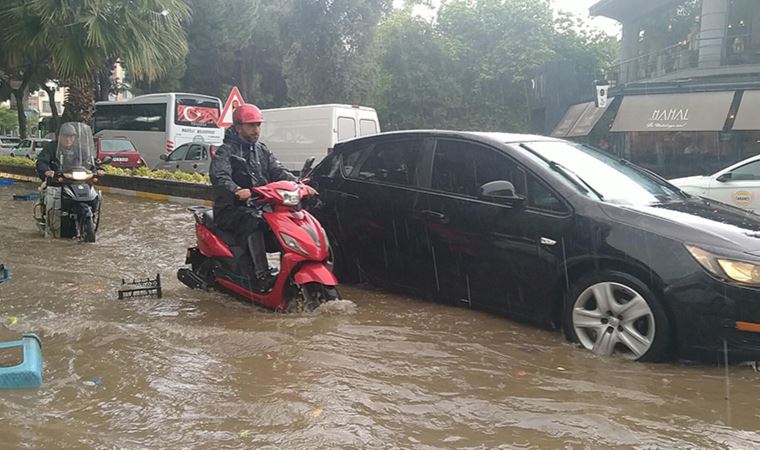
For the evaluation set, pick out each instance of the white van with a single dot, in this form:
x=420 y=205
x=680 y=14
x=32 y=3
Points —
x=294 y=134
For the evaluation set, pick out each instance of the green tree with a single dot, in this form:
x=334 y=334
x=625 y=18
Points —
x=8 y=120
x=470 y=67
x=81 y=40
x=413 y=86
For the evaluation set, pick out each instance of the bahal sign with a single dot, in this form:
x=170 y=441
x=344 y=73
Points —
x=697 y=111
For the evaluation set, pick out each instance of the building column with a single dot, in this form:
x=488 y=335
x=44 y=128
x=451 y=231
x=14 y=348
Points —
x=712 y=33
x=630 y=51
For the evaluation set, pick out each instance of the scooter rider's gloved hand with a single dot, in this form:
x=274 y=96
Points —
x=243 y=194
x=49 y=173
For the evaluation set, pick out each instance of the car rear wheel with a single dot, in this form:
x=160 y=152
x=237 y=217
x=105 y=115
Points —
x=613 y=313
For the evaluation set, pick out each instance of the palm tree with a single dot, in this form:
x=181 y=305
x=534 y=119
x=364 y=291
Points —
x=81 y=40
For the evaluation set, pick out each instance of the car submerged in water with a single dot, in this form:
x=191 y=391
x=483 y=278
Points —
x=550 y=232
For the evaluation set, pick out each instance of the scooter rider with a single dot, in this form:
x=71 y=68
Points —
x=73 y=148
x=69 y=146
x=240 y=164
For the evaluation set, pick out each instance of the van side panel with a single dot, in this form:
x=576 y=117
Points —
x=295 y=134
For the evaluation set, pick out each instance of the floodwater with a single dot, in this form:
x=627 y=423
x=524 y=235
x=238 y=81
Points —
x=200 y=370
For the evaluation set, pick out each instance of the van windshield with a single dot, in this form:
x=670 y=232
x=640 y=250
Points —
x=600 y=174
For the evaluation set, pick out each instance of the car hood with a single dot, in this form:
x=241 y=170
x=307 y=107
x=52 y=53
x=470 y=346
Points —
x=698 y=180
x=696 y=221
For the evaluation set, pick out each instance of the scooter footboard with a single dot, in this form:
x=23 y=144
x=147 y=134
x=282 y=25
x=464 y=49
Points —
x=315 y=273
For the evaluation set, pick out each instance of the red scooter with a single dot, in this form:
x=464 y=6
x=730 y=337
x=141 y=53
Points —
x=305 y=279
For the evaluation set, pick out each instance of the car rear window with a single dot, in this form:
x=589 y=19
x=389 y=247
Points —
x=116 y=145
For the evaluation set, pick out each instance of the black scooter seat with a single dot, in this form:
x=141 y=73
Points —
x=208 y=221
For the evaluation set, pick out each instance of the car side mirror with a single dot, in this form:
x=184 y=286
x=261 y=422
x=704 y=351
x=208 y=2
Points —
x=164 y=156
x=725 y=177
x=106 y=160
x=502 y=192
x=306 y=170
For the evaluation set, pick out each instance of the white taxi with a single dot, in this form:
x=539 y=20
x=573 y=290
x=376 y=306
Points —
x=737 y=185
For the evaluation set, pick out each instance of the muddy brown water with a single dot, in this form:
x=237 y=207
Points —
x=198 y=370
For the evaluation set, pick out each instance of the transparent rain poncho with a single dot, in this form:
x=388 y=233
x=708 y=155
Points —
x=75 y=149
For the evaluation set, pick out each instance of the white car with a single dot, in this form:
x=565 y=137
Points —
x=737 y=185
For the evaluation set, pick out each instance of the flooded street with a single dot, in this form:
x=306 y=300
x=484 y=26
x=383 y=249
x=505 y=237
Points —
x=202 y=370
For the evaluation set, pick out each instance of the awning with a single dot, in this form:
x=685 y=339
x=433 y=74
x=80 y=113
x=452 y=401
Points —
x=569 y=120
x=699 y=111
x=748 y=116
x=588 y=119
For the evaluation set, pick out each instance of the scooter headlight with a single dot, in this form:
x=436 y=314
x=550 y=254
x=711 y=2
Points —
x=739 y=271
x=79 y=175
x=292 y=243
x=289 y=198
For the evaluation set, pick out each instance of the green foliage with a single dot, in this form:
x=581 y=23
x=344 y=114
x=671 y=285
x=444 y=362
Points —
x=8 y=119
x=159 y=174
x=470 y=68
x=17 y=161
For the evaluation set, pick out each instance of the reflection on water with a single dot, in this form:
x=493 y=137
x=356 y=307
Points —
x=202 y=370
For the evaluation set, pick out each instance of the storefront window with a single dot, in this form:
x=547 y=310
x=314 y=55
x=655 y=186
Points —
x=669 y=39
x=682 y=154
x=743 y=33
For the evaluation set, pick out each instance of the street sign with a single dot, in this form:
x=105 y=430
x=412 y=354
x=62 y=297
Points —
x=233 y=101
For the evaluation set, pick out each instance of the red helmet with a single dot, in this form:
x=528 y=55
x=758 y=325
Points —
x=247 y=113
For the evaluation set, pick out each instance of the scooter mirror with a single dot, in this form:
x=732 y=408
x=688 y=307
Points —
x=306 y=171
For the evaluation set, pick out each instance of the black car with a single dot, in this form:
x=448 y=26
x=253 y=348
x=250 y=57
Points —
x=546 y=231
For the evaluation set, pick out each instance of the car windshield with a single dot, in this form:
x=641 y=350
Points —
x=116 y=145
x=599 y=174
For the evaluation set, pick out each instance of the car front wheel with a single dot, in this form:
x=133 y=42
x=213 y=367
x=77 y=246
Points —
x=613 y=313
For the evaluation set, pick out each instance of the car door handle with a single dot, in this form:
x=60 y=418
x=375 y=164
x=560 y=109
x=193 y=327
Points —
x=434 y=216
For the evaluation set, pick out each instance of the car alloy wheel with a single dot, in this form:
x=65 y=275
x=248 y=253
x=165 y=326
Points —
x=615 y=314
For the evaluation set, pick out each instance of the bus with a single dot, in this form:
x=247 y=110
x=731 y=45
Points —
x=159 y=123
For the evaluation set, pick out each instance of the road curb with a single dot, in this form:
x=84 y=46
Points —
x=147 y=188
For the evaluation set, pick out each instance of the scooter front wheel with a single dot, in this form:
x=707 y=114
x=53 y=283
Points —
x=88 y=229
x=315 y=294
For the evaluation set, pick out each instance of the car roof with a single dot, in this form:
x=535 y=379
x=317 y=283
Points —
x=497 y=137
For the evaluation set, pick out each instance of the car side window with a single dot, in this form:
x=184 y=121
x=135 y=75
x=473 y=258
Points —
x=463 y=167
x=195 y=153
x=352 y=157
x=540 y=197
x=391 y=162
x=747 y=172
x=179 y=153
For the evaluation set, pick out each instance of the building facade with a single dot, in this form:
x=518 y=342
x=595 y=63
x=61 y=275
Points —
x=686 y=87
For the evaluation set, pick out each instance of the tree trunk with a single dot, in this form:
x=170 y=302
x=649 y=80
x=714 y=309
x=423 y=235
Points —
x=53 y=107
x=20 y=96
x=80 y=102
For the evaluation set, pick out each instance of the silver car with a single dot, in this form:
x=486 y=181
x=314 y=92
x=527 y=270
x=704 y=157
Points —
x=191 y=157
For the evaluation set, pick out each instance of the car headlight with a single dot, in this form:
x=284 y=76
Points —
x=739 y=271
x=289 y=198
x=292 y=243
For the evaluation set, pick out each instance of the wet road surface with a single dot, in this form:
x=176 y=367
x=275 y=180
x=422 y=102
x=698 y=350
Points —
x=201 y=370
